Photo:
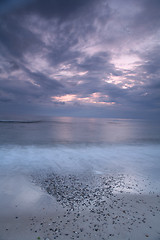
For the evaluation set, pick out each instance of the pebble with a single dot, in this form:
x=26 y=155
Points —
x=96 y=195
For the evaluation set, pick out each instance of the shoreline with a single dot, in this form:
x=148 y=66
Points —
x=85 y=207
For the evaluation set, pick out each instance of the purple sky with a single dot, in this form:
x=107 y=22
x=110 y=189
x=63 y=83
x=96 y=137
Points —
x=89 y=58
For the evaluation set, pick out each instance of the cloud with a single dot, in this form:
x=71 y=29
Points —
x=147 y=20
x=46 y=9
x=61 y=8
x=9 y=5
x=94 y=53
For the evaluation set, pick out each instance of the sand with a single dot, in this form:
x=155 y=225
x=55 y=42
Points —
x=82 y=206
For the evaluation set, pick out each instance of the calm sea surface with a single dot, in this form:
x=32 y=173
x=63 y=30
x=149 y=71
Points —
x=71 y=131
x=76 y=144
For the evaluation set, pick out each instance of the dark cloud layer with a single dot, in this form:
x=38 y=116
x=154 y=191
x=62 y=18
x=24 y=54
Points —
x=60 y=9
x=80 y=58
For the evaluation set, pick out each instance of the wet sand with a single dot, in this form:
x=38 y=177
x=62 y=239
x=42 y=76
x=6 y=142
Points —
x=83 y=206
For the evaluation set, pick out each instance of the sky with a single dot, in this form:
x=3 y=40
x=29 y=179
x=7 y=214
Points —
x=82 y=58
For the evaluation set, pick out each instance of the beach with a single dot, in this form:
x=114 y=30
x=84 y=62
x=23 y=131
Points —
x=81 y=206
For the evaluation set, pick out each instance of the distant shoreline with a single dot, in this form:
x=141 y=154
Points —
x=19 y=121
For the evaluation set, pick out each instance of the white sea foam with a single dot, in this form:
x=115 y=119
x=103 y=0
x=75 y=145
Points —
x=133 y=161
x=130 y=158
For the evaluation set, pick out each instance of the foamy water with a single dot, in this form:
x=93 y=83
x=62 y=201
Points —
x=142 y=159
x=68 y=145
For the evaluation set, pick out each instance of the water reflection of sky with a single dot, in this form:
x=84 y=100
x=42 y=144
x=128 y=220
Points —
x=19 y=194
x=76 y=130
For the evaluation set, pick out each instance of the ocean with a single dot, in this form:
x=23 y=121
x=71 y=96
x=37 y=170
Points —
x=81 y=144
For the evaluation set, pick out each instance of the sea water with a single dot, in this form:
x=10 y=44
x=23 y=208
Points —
x=64 y=144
